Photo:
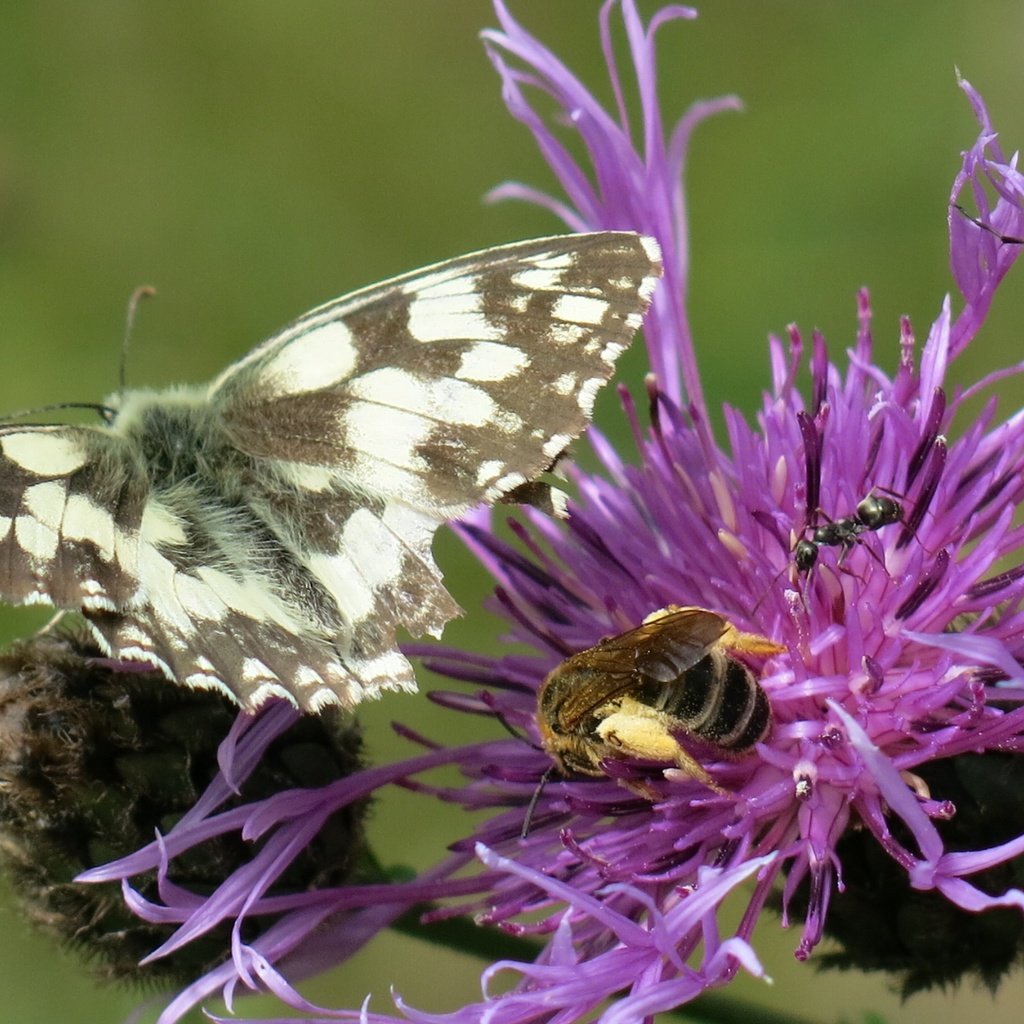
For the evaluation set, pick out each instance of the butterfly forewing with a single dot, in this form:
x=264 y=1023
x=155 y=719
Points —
x=451 y=385
x=269 y=534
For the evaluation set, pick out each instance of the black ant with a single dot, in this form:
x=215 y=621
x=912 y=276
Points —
x=873 y=512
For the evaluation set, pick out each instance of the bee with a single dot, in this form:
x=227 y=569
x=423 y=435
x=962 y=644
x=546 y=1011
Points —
x=873 y=512
x=635 y=695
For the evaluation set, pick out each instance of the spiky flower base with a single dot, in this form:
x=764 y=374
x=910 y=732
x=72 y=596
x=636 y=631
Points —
x=925 y=941
x=94 y=757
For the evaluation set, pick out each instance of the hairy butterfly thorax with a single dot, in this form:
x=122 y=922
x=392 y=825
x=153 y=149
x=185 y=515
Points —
x=268 y=534
x=176 y=432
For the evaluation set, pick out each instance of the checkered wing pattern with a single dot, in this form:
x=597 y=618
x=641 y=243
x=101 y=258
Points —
x=268 y=534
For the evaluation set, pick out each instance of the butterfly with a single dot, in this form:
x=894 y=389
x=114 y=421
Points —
x=267 y=534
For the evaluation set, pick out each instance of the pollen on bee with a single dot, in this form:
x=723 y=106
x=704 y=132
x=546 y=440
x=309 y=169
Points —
x=636 y=731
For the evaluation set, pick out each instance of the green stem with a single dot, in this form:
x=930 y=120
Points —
x=717 y=1008
x=462 y=936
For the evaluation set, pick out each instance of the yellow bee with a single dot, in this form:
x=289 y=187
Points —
x=633 y=695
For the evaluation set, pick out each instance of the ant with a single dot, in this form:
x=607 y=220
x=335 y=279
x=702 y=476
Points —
x=873 y=512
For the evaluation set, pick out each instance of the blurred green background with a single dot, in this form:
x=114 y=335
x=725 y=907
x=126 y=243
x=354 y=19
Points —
x=253 y=159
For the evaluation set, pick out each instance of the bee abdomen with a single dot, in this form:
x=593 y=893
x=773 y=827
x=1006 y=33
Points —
x=720 y=702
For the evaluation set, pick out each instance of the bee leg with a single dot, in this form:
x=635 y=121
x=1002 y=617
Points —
x=662 y=613
x=690 y=766
x=639 y=731
x=750 y=643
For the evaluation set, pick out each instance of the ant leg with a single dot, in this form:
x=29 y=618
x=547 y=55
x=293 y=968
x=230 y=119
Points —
x=1005 y=239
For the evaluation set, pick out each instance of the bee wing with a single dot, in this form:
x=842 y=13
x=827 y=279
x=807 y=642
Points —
x=661 y=649
x=692 y=630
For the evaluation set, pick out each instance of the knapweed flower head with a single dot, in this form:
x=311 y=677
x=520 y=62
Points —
x=868 y=528
x=96 y=755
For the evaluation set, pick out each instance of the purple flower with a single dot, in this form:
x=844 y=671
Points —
x=903 y=639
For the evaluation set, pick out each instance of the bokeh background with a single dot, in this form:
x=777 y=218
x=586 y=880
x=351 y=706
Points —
x=253 y=159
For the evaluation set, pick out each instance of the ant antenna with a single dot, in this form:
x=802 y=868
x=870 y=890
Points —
x=532 y=806
x=1006 y=239
x=144 y=291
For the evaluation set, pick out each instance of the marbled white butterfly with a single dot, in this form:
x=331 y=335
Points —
x=266 y=534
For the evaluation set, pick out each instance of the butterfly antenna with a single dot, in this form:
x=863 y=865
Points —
x=144 y=291
x=104 y=410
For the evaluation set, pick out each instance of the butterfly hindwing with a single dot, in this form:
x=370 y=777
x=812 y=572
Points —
x=71 y=504
x=270 y=534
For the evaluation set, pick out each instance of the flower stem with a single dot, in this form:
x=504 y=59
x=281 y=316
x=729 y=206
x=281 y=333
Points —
x=462 y=936
x=717 y=1008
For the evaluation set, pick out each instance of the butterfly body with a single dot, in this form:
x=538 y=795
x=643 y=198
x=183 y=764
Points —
x=267 y=534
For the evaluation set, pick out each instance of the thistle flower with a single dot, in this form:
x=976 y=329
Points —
x=901 y=635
